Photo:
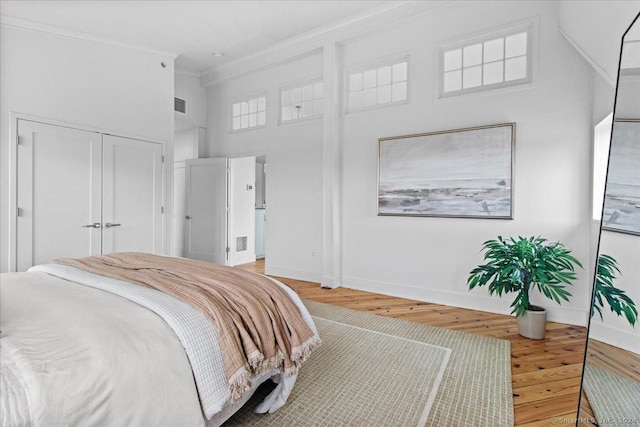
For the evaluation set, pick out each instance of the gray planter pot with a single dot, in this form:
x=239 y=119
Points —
x=532 y=324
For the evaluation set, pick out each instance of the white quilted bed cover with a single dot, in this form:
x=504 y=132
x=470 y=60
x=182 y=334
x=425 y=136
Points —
x=52 y=336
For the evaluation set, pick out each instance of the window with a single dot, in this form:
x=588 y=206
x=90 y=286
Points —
x=496 y=60
x=386 y=84
x=601 y=142
x=302 y=101
x=249 y=113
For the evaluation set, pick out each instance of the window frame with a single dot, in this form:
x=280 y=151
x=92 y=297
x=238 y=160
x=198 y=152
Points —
x=374 y=65
x=601 y=145
x=248 y=98
x=530 y=27
x=300 y=84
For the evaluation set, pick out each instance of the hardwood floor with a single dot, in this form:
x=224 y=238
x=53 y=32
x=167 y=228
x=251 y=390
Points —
x=613 y=359
x=546 y=374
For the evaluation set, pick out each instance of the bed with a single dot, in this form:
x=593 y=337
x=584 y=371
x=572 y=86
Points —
x=82 y=348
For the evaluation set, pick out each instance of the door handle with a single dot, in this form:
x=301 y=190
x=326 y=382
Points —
x=109 y=225
x=187 y=217
x=94 y=225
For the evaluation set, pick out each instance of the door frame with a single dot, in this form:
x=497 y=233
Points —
x=167 y=177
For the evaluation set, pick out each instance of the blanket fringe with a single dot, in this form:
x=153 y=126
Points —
x=239 y=384
x=302 y=353
x=255 y=360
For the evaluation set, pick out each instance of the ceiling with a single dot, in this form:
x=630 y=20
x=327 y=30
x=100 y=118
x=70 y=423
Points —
x=192 y=30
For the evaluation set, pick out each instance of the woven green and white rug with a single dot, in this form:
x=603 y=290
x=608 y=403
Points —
x=374 y=370
x=615 y=400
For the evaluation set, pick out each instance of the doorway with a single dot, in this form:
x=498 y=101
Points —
x=261 y=207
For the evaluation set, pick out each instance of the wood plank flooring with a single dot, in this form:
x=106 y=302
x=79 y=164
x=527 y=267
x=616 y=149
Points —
x=613 y=359
x=546 y=373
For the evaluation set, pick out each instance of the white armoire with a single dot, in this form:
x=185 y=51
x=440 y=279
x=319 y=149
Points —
x=81 y=193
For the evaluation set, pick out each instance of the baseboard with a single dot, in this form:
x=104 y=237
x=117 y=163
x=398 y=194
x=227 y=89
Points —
x=244 y=259
x=463 y=300
x=614 y=336
x=292 y=273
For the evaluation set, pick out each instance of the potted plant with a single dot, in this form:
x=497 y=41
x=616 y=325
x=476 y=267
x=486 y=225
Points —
x=522 y=265
x=618 y=301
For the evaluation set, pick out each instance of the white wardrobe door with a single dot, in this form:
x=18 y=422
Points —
x=58 y=193
x=132 y=195
x=242 y=198
x=206 y=210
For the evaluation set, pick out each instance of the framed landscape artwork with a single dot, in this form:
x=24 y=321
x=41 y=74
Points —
x=621 y=210
x=465 y=173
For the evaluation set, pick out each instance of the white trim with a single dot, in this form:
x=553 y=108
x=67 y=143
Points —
x=603 y=73
x=555 y=313
x=320 y=31
x=387 y=16
x=186 y=73
x=292 y=273
x=531 y=26
x=23 y=24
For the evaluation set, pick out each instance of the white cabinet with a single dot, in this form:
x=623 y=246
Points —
x=84 y=193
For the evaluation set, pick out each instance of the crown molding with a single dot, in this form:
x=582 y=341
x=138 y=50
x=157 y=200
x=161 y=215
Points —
x=384 y=17
x=611 y=80
x=23 y=24
x=187 y=73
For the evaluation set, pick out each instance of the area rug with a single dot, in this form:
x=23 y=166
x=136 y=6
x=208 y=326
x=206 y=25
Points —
x=375 y=370
x=615 y=400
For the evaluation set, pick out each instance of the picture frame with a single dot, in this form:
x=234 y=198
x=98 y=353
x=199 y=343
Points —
x=621 y=206
x=459 y=173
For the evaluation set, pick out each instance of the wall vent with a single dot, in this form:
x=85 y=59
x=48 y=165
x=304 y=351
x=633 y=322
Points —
x=241 y=244
x=180 y=105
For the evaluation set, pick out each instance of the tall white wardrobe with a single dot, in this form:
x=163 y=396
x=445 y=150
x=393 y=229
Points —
x=81 y=193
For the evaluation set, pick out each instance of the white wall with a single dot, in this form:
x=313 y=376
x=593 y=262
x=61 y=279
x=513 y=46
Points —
x=596 y=29
x=427 y=258
x=115 y=89
x=612 y=329
x=430 y=258
x=188 y=87
x=294 y=157
x=625 y=248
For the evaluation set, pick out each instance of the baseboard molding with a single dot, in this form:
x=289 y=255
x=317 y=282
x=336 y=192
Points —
x=463 y=300
x=292 y=273
x=244 y=258
x=614 y=336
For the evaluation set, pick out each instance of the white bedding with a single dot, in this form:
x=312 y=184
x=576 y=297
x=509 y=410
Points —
x=55 y=333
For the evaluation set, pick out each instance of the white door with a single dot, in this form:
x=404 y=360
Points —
x=132 y=195
x=58 y=193
x=179 y=188
x=242 y=199
x=206 y=210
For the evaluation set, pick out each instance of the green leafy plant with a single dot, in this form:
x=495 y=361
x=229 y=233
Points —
x=522 y=264
x=604 y=290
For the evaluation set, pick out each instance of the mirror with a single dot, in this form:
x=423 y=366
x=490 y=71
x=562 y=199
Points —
x=611 y=376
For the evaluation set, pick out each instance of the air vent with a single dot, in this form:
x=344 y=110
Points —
x=241 y=244
x=180 y=105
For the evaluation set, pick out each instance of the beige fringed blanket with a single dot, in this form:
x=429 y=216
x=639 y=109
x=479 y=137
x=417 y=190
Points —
x=259 y=327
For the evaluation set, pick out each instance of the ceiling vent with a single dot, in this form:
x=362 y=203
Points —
x=180 y=105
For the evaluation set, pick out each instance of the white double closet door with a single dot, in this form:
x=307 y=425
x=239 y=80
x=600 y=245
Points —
x=84 y=193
